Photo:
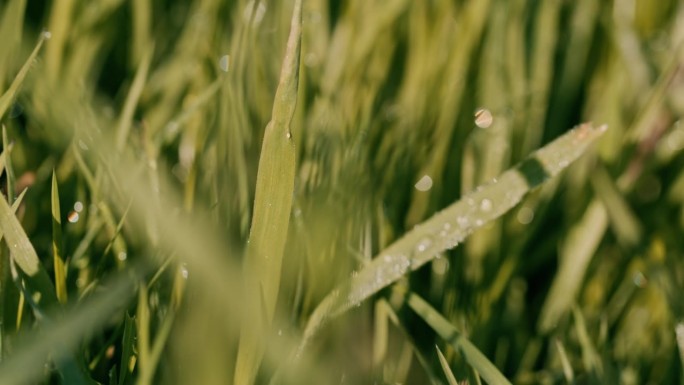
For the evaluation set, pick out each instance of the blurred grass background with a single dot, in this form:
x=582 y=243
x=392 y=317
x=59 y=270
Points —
x=152 y=114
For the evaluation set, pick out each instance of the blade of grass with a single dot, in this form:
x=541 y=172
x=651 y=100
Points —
x=65 y=333
x=127 y=342
x=575 y=254
x=272 y=205
x=134 y=93
x=446 y=229
x=8 y=164
x=445 y=367
x=9 y=95
x=452 y=336
x=59 y=266
x=37 y=281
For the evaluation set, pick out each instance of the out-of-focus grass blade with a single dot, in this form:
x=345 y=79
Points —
x=565 y=362
x=445 y=367
x=6 y=144
x=8 y=96
x=272 y=205
x=127 y=348
x=575 y=255
x=134 y=93
x=59 y=266
x=59 y=339
x=590 y=357
x=451 y=335
x=622 y=219
x=446 y=229
x=11 y=31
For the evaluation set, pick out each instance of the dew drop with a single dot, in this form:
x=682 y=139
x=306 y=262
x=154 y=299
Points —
x=37 y=297
x=525 y=215
x=486 y=205
x=423 y=245
x=224 y=63
x=184 y=271
x=483 y=118
x=78 y=207
x=424 y=184
x=122 y=256
x=73 y=217
x=259 y=15
x=47 y=35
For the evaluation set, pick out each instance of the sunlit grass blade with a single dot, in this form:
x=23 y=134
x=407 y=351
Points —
x=7 y=145
x=57 y=249
x=623 y=221
x=9 y=95
x=451 y=379
x=272 y=206
x=565 y=363
x=446 y=229
x=452 y=336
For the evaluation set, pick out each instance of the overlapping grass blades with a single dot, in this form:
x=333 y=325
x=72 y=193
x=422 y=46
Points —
x=272 y=206
x=446 y=229
x=460 y=343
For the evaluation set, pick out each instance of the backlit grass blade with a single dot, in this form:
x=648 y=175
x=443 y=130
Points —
x=59 y=266
x=451 y=335
x=9 y=95
x=446 y=229
x=272 y=205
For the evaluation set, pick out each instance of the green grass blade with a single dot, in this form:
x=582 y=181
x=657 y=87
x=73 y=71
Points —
x=8 y=164
x=134 y=93
x=9 y=95
x=575 y=254
x=65 y=333
x=272 y=205
x=446 y=229
x=128 y=340
x=451 y=335
x=451 y=379
x=59 y=266
x=38 y=283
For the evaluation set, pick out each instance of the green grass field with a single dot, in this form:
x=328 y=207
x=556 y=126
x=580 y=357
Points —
x=342 y=192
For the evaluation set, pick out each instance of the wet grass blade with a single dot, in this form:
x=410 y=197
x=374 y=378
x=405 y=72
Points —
x=272 y=205
x=9 y=95
x=451 y=335
x=446 y=229
x=59 y=265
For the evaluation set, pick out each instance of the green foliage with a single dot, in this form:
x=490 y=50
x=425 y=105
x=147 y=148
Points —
x=321 y=192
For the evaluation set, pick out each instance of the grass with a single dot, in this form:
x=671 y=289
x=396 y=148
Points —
x=355 y=192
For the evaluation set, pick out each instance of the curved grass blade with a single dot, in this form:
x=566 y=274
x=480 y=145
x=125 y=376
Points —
x=272 y=205
x=8 y=96
x=449 y=227
x=60 y=267
x=450 y=334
